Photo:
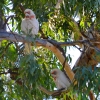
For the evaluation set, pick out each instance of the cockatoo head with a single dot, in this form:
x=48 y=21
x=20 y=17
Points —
x=29 y=14
x=55 y=73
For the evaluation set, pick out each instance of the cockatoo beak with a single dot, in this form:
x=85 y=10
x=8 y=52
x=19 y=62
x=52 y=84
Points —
x=53 y=74
x=27 y=14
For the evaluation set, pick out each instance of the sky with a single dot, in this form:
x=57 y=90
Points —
x=74 y=53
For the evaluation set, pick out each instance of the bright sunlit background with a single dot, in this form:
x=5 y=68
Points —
x=74 y=53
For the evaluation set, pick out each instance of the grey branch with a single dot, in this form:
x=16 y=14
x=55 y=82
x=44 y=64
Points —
x=78 y=42
x=11 y=36
x=14 y=37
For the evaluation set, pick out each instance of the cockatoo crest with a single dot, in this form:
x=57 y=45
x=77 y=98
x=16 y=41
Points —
x=29 y=14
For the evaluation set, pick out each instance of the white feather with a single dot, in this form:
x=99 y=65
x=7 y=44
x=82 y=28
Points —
x=60 y=79
x=29 y=23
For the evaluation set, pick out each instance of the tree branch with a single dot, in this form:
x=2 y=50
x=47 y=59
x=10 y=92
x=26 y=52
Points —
x=43 y=42
x=52 y=93
x=12 y=37
x=79 y=42
x=56 y=92
x=40 y=42
x=61 y=58
x=18 y=38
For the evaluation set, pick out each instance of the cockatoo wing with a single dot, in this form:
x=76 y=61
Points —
x=63 y=80
x=32 y=25
x=59 y=84
x=26 y=25
x=35 y=26
x=60 y=79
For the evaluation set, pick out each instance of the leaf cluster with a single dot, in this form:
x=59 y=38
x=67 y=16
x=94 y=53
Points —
x=87 y=79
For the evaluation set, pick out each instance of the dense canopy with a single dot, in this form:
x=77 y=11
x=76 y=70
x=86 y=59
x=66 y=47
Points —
x=63 y=24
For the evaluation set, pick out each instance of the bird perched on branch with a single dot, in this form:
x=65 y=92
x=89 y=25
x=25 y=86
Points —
x=60 y=79
x=29 y=26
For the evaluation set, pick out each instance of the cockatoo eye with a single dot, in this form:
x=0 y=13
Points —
x=54 y=72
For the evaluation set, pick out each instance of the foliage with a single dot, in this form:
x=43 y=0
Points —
x=87 y=79
x=27 y=72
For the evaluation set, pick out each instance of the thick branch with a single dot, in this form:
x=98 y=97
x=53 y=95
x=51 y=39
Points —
x=39 y=42
x=61 y=59
x=59 y=55
x=42 y=42
x=12 y=37
x=18 y=38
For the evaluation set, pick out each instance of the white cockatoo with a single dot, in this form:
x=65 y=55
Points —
x=60 y=79
x=30 y=26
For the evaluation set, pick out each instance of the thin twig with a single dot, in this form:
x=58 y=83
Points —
x=11 y=16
